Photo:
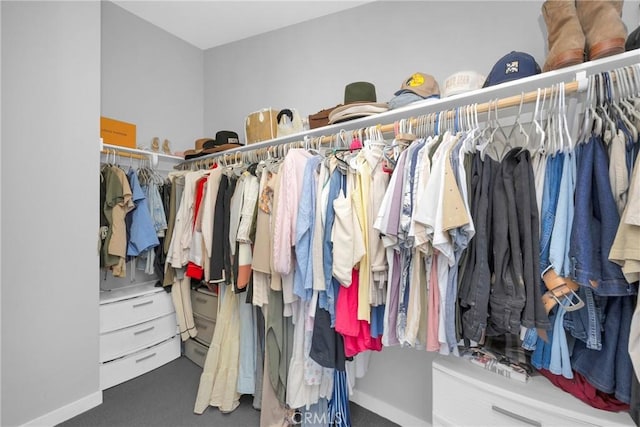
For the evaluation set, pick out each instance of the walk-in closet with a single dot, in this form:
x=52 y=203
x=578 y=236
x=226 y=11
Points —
x=457 y=242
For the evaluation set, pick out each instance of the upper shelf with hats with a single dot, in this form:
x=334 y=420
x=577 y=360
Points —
x=512 y=76
x=223 y=141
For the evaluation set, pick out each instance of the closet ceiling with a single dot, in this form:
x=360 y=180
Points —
x=209 y=23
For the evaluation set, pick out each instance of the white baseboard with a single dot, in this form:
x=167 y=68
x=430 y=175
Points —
x=67 y=412
x=386 y=410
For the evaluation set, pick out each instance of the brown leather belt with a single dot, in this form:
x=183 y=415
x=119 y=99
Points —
x=560 y=288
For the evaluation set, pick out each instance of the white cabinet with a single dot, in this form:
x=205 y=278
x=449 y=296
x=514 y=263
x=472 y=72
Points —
x=138 y=333
x=468 y=395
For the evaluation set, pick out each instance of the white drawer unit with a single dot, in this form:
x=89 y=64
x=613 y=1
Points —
x=205 y=328
x=122 y=341
x=120 y=308
x=196 y=351
x=138 y=332
x=204 y=303
x=138 y=363
x=205 y=311
x=465 y=394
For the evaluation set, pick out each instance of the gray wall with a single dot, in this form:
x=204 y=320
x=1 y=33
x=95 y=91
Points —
x=306 y=66
x=151 y=78
x=0 y=212
x=50 y=118
x=52 y=96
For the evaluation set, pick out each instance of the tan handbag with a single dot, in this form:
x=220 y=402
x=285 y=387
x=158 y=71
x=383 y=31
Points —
x=261 y=125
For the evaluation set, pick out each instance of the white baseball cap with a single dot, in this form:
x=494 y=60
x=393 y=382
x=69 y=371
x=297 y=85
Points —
x=462 y=81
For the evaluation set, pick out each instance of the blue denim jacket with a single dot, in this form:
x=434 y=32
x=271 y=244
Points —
x=595 y=224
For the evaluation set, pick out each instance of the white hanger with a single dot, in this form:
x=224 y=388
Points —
x=619 y=100
x=465 y=121
x=518 y=124
x=629 y=111
x=343 y=138
x=564 y=138
x=601 y=108
x=591 y=121
x=481 y=148
x=535 y=124
x=565 y=126
x=452 y=120
x=550 y=143
x=424 y=131
x=634 y=87
x=497 y=128
x=636 y=79
x=474 y=129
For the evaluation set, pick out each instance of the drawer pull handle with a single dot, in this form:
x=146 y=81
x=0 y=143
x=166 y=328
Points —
x=201 y=300
x=145 y=357
x=142 y=331
x=140 y=304
x=201 y=326
x=516 y=416
x=200 y=352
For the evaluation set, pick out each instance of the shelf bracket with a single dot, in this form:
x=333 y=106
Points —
x=583 y=81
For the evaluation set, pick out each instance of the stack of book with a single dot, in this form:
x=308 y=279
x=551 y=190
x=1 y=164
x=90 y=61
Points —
x=497 y=363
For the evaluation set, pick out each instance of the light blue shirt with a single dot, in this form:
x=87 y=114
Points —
x=303 y=275
x=142 y=235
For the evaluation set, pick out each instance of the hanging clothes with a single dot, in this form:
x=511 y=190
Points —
x=219 y=376
x=118 y=203
x=177 y=186
x=262 y=248
x=304 y=231
x=458 y=236
x=195 y=268
x=476 y=280
x=246 y=228
x=208 y=215
x=143 y=235
x=596 y=210
x=625 y=250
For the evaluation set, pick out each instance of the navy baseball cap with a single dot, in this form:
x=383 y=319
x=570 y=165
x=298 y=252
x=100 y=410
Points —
x=512 y=66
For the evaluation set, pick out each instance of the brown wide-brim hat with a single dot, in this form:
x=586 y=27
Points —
x=199 y=149
x=225 y=140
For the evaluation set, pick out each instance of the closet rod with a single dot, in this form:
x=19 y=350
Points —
x=574 y=78
x=502 y=103
x=511 y=101
x=135 y=153
x=118 y=152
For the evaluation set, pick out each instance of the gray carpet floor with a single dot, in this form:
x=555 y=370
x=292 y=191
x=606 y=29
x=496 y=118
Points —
x=165 y=397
